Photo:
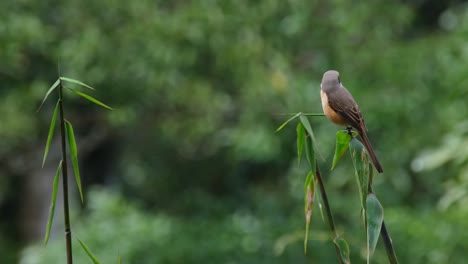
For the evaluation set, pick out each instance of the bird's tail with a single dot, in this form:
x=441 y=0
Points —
x=370 y=151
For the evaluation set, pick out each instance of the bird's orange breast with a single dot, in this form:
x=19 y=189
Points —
x=329 y=112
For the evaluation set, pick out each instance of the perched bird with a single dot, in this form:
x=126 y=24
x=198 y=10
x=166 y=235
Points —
x=340 y=107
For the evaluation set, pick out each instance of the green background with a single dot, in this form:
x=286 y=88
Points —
x=187 y=167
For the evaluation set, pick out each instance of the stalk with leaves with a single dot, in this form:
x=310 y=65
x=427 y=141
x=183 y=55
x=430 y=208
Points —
x=371 y=209
x=66 y=135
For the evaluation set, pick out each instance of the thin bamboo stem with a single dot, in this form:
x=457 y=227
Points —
x=388 y=244
x=328 y=211
x=391 y=254
x=66 y=210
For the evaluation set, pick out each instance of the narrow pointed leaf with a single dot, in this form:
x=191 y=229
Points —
x=56 y=83
x=74 y=156
x=361 y=169
x=309 y=196
x=118 y=260
x=310 y=132
x=89 y=98
x=375 y=217
x=52 y=205
x=77 y=82
x=51 y=133
x=344 y=249
x=301 y=135
x=88 y=252
x=320 y=206
x=287 y=121
x=307 y=126
x=371 y=178
x=342 y=144
x=310 y=153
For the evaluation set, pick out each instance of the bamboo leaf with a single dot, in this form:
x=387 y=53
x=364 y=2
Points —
x=310 y=154
x=52 y=205
x=310 y=132
x=301 y=135
x=309 y=196
x=344 y=249
x=375 y=217
x=287 y=121
x=88 y=252
x=306 y=124
x=320 y=206
x=77 y=82
x=89 y=98
x=361 y=169
x=74 y=156
x=51 y=133
x=56 y=83
x=342 y=144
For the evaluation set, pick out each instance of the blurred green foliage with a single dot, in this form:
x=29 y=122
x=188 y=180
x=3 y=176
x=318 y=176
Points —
x=197 y=87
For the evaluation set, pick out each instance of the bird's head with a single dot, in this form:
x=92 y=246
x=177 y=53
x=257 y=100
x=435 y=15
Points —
x=330 y=80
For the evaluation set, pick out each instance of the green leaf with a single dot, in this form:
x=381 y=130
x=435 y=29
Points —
x=306 y=124
x=56 y=83
x=342 y=144
x=88 y=252
x=51 y=133
x=89 y=98
x=310 y=154
x=118 y=260
x=308 y=128
x=309 y=196
x=371 y=178
x=361 y=169
x=52 y=205
x=287 y=121
x=344 y=249
x=74 y=156
x=320 y=206
x=77 y=82
x=375 y=217
x=301 y=135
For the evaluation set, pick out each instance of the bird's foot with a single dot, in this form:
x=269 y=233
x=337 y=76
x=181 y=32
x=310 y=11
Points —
x=350 y=131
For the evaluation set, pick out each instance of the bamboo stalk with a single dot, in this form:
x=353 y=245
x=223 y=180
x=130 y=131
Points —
x=66 y=210
x=328 y=211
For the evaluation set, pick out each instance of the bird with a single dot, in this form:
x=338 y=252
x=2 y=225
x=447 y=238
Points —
x=340 y=107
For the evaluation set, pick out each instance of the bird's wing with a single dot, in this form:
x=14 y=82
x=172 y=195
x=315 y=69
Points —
x=344 y=104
